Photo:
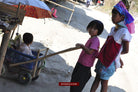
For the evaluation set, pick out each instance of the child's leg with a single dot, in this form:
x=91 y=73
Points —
x=95 y=83
x=80 y=74
x=104 y=85
x=105 y=74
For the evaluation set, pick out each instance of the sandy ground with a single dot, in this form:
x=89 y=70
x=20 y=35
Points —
x=56 y=35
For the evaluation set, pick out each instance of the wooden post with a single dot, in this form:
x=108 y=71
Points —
x=3 y=48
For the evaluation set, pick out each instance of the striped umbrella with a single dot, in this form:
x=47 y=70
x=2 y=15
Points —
x=33 y=8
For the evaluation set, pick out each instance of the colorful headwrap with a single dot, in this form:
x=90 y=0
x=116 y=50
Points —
x=129 y=20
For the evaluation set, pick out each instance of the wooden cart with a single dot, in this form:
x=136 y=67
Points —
x=25 y=72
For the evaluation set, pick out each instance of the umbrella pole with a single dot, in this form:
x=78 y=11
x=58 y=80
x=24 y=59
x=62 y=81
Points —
x=3 y=48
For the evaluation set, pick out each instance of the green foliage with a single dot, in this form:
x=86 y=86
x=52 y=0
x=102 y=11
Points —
x=126 y=4
x=136 y=4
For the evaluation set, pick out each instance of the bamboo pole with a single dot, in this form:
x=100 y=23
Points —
x=69 y=1
x=73 y=2
x=5 y=41
x=36 y=63
x=71 y=15
x=13 y=32
x=46 y=51
x=60 y=5
x=43 y=61
x=3 y=48
x=46 y=56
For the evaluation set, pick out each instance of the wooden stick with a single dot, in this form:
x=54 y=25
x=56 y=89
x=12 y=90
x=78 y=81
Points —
x=13 y=31
x=3 y=48
x=42 y=49
x=71 y=15
x=69 y=1
x=45 y=55
x=41 y=58
x=73 y=2
x=36 y=63
x=18 y=9
x=60 y=5
x=46 y=51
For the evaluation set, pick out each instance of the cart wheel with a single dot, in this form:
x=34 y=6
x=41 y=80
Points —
x=24 y=77
x=4 y=71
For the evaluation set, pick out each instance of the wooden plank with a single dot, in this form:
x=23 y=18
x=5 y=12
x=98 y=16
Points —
x=12 y=11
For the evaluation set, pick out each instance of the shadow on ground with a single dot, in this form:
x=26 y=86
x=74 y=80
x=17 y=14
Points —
x=56 y=70
x=79 y=19
x=110 y=88
x=115 y=89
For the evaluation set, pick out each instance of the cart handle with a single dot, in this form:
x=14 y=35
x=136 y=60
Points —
x=46 y=56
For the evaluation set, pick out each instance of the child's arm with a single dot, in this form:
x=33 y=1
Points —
x=87 y=50
x=124 y=51
x=125 y=47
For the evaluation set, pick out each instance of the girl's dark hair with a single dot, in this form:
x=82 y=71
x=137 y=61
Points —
x=115 y=11
x=96 y=24
x=27 y=38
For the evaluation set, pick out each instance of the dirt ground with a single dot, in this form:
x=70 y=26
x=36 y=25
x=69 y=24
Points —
x=56 y=35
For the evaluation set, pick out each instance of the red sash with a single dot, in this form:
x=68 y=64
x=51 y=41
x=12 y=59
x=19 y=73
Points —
x=109 y=51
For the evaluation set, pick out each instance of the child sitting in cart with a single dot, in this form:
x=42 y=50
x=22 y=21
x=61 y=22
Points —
x=23 y=53
x=25 y=46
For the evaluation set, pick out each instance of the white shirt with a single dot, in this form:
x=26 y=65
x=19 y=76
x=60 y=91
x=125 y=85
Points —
x=25 y=49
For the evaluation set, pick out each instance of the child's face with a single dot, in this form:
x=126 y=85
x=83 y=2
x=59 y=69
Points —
x=92 y=31
x=116 y=17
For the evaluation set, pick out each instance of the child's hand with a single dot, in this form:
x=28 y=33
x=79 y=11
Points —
x=78 y=45
x=122 y=64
